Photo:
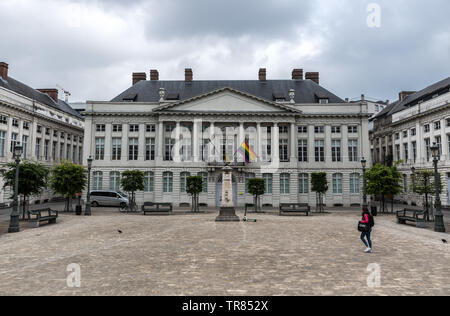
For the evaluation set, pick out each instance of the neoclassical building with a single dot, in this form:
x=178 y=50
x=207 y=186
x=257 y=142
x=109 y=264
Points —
x=173 y=129
x=405 y=130
x=47 y=127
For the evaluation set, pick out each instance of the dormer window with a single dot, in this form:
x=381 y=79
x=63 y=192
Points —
x=323 y=101
x=279 y=97
x=173 y=97
x=130 y=98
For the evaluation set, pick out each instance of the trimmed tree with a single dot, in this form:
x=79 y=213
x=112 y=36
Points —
x=256 y=187
x=33 y=178
x=132 y=181
x=68 y=179
x=319 y=184
x=423 y=183
x=194 y=186
x=384 y=181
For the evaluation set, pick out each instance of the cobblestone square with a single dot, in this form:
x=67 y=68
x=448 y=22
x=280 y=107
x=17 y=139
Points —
x=194 y=255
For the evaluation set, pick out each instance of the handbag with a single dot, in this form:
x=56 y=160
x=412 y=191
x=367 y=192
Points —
x=363 y=227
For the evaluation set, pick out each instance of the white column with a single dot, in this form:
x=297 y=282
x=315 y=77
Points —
x=32 y=140
x=108 y=142
x=8 y=152
x=125 y=129
x=141 y=142
x=344 y=131
x=87 y=140
x=258 y=141
x=327 y=144
x=293 y=138
x=177 y=146
x=444 y=141
x=276 y=143
x=195 y=142
x=241 y=140
x=212 y=151
x=160 y=142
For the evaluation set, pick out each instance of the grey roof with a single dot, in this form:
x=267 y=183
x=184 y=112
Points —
x=413 y=99
x=306 y=91
x=23 y=89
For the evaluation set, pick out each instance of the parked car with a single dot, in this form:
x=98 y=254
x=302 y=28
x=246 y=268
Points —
x=109 y=198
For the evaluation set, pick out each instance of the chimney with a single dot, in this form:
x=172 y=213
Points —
x=4 y=70
x=139 y=76
x=402 y=95
x=52 y=93
x=297 y=74
x=314 y=76
x=188 y=75
x=154 y=75
x=262 y=74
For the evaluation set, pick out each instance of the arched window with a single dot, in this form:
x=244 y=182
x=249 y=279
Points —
x=98 y=180
x=167 y=182
x=337 y=183
x=268 y=178
x=149 y=182
x=303 y=183
x=247 y=177
x=183 y=181
x=285 y=179
x=114 y=181
x=354 y=183
x=204 y=176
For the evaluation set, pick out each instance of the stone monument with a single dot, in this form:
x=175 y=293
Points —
x=227 y=210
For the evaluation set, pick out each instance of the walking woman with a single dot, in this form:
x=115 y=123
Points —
x=365 y=235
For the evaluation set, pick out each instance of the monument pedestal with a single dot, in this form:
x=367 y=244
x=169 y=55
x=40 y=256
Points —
x=227 y=211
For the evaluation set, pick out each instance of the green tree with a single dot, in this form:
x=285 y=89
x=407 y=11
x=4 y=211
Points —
x=68 y=179
x=385 y=181
x=132 y=181
x=256 y=187
x=423 y=183
x=33 y=178
x=319 y=184
x=194 y=186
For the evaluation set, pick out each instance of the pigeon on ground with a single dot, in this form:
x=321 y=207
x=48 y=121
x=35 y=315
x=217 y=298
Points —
x=120 y=232
x=444 y=241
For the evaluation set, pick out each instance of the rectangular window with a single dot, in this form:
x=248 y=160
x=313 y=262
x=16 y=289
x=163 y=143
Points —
x=133 y=149
x=413 y=132
x=283 y=129
x=183 y=181
x=428 y=149
x=2 y=143
x=68 y=147
x=397 y=151
x=168 y=149
x=116 y=149
x=99 y=149
x=61 y=151
x=26 y=125
x=353 y=129
x=303 y=150
x=38 y=149
x=437 y=126
x=114 y=181
x=47 y=131
x=149 y=182
x=414 y=151
x=117 y=128
x=284 y=150
x=98 y=180
x=335 y=129
x=134 y=128
x=268 y=178
x=204 y=176
x=303 y=183
x=74 y=153
x=24 y=146
x=320 y=151
x=319 y=129
x=405 y=183
x=336 y=150
x=427 y=128
x=406 y=151
x=353 y=150
x=150 y=149
x=204 y=150
x=405 y=134
x=15 y=122
x=13 y=142
x=438 y=141
x=100 y=128
x=3 y=119
x=247 y=177
x=354 y=183
x=46 y=145
x=284 y=183
x=167 y=182
x=397 y=136
x=337 y=183
x=303 y=129
x=151 y=128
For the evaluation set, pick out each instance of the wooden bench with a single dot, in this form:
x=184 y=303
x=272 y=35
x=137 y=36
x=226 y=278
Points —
x=293 y=208
x=43 y=215
x=410 y=215
x=157 y=208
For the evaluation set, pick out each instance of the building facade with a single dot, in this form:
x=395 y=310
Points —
x=48 y=128
x=405 y=131
x=174 y=129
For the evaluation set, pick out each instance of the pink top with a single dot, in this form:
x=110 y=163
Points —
x=366 y=219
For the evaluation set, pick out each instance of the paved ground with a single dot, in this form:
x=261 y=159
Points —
x=193 y=255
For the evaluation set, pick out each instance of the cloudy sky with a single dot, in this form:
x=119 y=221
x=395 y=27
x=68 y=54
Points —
x=91 y=47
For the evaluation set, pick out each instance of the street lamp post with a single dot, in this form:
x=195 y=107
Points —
x=439 y=217
x=364 y=165
x=14 y=221
x=87 y=212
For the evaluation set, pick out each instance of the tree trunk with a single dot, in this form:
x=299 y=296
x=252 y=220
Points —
x=24 y=207
x=427 y=211
x=67 y=204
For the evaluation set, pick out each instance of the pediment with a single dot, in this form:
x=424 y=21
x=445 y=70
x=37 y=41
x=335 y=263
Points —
x=227 y=100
